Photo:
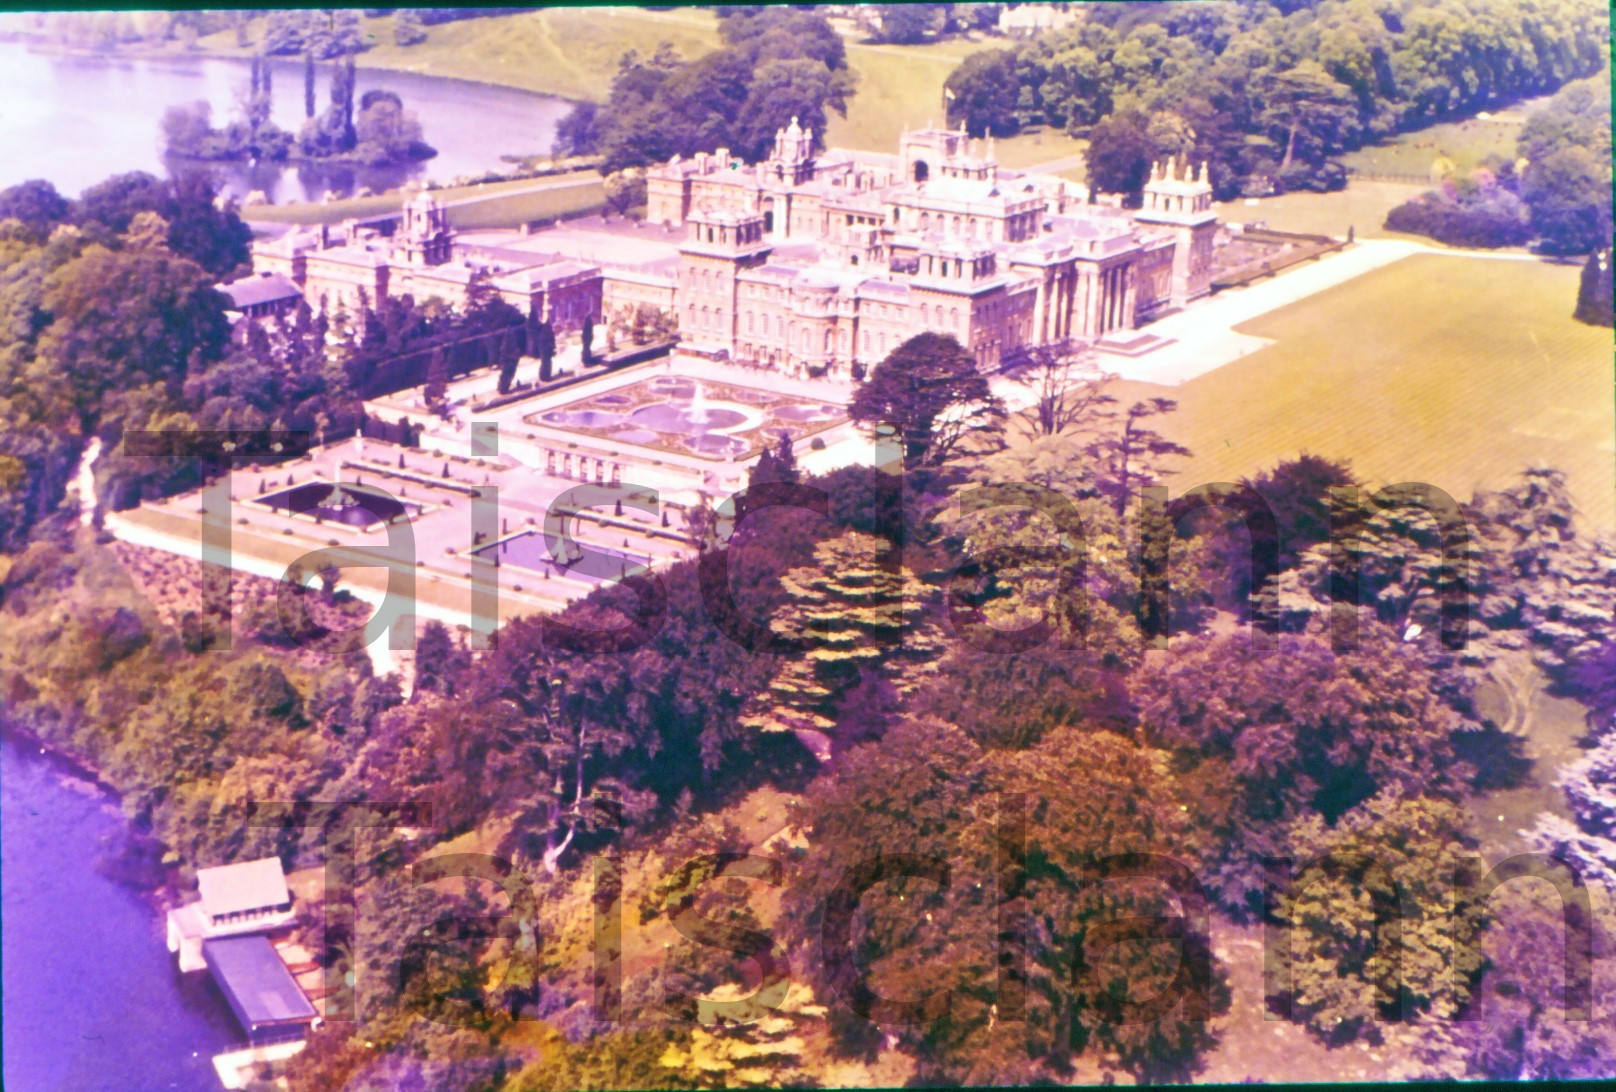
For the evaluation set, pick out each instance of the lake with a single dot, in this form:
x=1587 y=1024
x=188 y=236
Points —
x=74 y=120
x=93 y=1000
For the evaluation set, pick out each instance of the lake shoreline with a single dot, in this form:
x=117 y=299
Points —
x=50 y=48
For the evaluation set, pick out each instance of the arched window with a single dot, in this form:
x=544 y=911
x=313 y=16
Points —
x=923 y=315
x=749 y=322
x=779 y=326
x=706 y=319
x=956 y=225
x=881 y=342
x=827 y=342
x=953 y=316
x=692 y=316
x=866 y=341
x=843 y=341
x=925 y=221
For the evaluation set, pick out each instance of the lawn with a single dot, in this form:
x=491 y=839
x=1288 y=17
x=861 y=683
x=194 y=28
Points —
x=1454 y=371
x=520 y=208
x=1463 y=143
x=562 y=194
x=1362 y=206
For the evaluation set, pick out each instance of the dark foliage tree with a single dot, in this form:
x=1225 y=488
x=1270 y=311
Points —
x=542 y=344
x=985 y=93
x=215 y=239
x=1264 y=739
x=1249 y=553
x=34 y=204
x=1594 y=298
x=908 y=24
x=930 y=392
x=579 y=133
x=1119 y=155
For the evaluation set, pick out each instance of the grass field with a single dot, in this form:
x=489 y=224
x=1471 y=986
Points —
x=498 y=204
x=520 y=208
x=1454 y=371
x=1362 y=206
x=1464 y=143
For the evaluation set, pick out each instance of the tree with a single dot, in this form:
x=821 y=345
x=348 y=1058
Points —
x=859 y=613
x=543 y=346
x=625 y=190
x=930 y=392
x=1267 y=739
x=1521 y=1026
x=1586 y=841
x=1119 y=155
x=386 y=133
x=1594 y=294
x=785 y=89
x=308 y=85
x=1068 y=389
x=436 y=392
x=920 y=791
x=1568 y=191
x=187 y=130
x=579 y=133
x=982 y=93
x=1297 y=492
x=407 y=27
x=439 y=663
x=34 y=204
x=1130 y=459
x=125 y=319
x=907 y=24
x=1308 y=113
x=1375 y=924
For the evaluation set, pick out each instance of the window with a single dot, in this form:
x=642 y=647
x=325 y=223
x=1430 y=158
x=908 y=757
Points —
x=866 y=341
x=749 y=322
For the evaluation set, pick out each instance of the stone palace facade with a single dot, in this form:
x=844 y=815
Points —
x=822 y=265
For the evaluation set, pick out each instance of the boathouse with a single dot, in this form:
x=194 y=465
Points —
x=235 y=899
x=266 y=999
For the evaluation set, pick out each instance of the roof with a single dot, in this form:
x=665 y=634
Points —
x=264 y=288
x=255 y=981
x=247 y=885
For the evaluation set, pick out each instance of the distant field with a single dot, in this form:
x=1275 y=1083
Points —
x=494 y=203
x=1454 y=371
x=1464 y=143
x=520 y=208
x=1362 y=206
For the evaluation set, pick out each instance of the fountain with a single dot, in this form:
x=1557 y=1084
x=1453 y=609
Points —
x=698 y=407
x=343 y=504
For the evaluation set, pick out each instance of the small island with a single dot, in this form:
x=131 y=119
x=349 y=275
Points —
x=382 y=134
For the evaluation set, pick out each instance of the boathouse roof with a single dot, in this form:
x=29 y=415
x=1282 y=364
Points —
x=246 y=885
x=256 y=982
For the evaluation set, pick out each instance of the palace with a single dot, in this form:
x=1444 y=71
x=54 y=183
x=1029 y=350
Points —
x=818 y=265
